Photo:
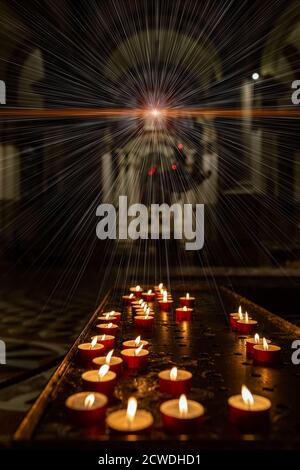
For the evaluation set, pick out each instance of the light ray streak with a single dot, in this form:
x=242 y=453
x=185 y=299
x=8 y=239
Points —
x=91 y=113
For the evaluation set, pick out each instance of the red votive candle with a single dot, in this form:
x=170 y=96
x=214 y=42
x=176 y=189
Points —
x=250 y=342
x=135 y=358
x=175 y=381
x=149 y=296
x=87 y=351
x=181 y=415
x=187 y=301
x=108 y=329
x=102 y=380
x=136 y=343
x=128 y=298
x=115 y=363
x=86 y=408
x=144 y=321
x=137 y=291
x=249 y=412
x=143 y=309
x=130 y=421
x=110 y=315
x=184 y=313
x=234 y=317
x=165 y=304
x=108 y=341
x=266 y=354
x=246 y=326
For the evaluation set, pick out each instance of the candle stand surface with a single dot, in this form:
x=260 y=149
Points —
x=205 y=346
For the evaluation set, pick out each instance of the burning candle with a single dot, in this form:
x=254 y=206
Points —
x=175 y=381
x=139 y=305
x=135 y=358
x=164 y=293
x=86 y=408
x=266 y=354
x=102 y=380
x=129 y=298
x=108 y=318
x=250 y=342
x=137 y=291
x=115 y=363
x=159 y=287
x=144 y=321
x=149 y=296
x=135 y=343
x=183 y=313
x=108 y=341
x=166 y=303
x=144 y=309
x=249 y=411
x=108 y=328
x=130 y=420
x=234 y=317
x=111 y=315
x=187 y=301
x=181 y=415
x=87 y=351
x=246 y=325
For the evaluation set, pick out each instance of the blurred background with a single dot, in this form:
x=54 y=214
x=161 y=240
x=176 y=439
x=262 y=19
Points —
x=55 y=171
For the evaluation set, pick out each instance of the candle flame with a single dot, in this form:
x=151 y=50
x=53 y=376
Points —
x=247 y=396
x=173 y=373
x=103 y=371
x=240 y=310
x=265 y=344
x=160 y=285
x=108 y=357
x=183 y=405
x=89 y=400
x=138 y=350
x=131 y=295
x=138 y=288
x=165 y=296
x=185 y=308
x=256 y=338
x=187 y=295
x=131 y=409
x=103 y=337
x=141 y=301
x=107 y=316
x=94 y=342
x=137 y=341
x=246 y=317
x=112 y=313
x=149 y=291
x=147 y=313
x=109 y=325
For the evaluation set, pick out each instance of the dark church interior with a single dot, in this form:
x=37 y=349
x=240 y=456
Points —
x=180 y=103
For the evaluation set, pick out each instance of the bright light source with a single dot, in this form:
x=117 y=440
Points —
x=155 y=112
x=255 y=76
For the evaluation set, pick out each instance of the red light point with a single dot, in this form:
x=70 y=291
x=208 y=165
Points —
x=174 y=166
x=180 y=146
